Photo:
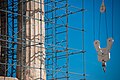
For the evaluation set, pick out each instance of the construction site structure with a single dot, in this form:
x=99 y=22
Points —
x=34 y=39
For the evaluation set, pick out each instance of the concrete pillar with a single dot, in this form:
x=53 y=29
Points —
x=35 y=38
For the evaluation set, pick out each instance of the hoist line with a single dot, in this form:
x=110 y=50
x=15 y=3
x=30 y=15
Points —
x=99 y=31
x=93 y=20
x=99 y=26
x=112 y=16
x=106 y=24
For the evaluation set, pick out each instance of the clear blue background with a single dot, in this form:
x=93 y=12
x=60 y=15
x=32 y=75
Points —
x=93 y=67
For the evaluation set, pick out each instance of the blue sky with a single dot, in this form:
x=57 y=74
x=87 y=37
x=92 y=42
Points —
x=93 y=67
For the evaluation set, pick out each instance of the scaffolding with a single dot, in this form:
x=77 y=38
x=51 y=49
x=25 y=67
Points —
x=34 y=39
x=56 y=15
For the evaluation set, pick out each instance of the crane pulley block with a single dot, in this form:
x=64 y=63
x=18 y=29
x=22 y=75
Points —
x=103 y=53
x=102 y=8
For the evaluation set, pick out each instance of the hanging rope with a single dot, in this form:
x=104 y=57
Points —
x=102 y=10
x=106 y=24
x=99 y=26
x=93 y=20
x=112 y=16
